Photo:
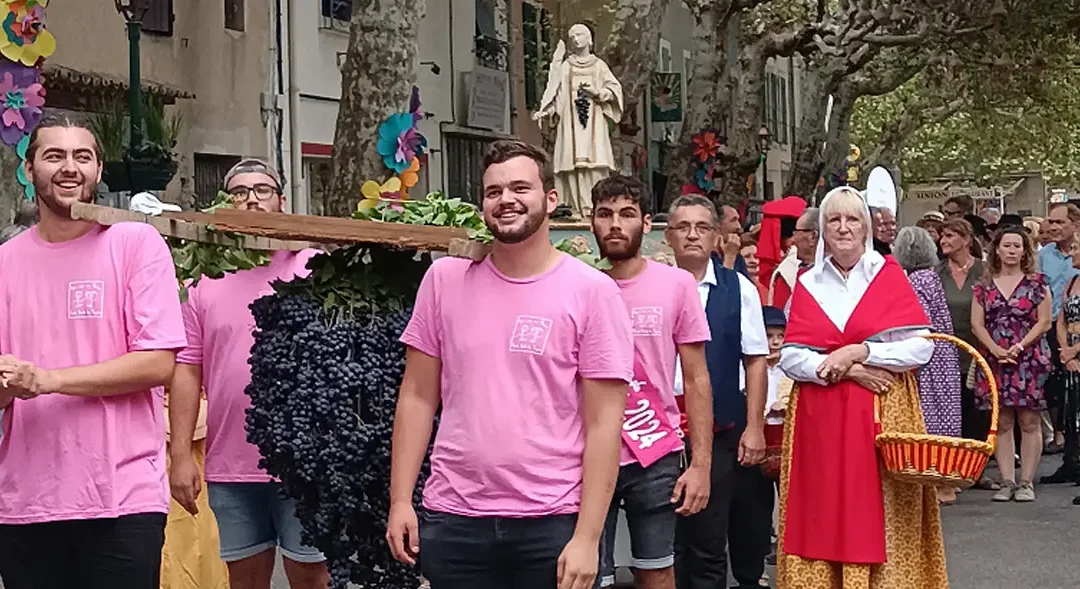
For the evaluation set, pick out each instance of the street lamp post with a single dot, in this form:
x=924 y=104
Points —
x=763 y=145
x=133 y=12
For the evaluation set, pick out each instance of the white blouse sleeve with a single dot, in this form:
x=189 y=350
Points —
x=900 y=350
x=801 y=364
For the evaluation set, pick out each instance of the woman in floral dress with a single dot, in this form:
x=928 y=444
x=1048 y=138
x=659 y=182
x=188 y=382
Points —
x=1010 y=314
x=939 y=380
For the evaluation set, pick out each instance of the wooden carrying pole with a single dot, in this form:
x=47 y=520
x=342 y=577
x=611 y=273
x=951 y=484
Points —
x=279 y=231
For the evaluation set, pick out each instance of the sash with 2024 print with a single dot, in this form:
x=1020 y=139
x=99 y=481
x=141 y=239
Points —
x=646 y=431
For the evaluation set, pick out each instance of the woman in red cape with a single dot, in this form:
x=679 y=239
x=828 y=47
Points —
x=854 y=332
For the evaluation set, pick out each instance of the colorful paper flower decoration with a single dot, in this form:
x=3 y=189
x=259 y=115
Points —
x=410 y=177
x=374 y=192
x=399 y=141
x=707 y=145
x=21 y=99
x=25 y=38
x=20 y=174
x=704 y=178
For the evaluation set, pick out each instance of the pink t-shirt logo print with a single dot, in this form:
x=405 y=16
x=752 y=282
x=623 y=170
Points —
x=647 y=321
x=86 y=299
x=530 y=334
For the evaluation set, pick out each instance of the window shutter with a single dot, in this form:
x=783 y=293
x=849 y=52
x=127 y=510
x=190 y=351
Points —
x=159 y=18
x=234 y=15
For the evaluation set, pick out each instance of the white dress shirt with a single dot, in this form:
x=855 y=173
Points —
x=751 y=323
x=898 y=350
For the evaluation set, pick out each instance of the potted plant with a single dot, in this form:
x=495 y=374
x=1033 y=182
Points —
x=110 y=127
x=152 y=165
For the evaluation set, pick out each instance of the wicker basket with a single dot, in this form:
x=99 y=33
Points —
x=940 y=461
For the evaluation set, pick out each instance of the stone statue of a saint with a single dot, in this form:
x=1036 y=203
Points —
x=584 y=94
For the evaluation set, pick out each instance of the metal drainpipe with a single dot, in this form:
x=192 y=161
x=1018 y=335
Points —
x=301 y=199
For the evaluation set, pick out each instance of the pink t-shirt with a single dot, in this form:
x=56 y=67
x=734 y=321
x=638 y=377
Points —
x=513 y=351
x=219 y=333
x=665 y=311
x=81 y=302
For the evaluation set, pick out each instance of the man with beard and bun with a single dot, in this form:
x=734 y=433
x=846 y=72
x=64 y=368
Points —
x=530 y=354
x=669 y=325
x=88 y=336
x=253 y=514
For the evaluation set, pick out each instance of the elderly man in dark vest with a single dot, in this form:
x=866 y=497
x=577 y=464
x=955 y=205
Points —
x=736 y=360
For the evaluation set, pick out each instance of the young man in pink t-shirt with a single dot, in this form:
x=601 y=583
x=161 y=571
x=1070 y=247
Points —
x=89 y=326
x=529 y=353
x=254 y=516
x=669 y=326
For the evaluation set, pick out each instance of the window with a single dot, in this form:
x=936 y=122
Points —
x=488 y=45
x=158 y=19
x=776 y=107
x=665 y=56
x=336 y=14
x=318 y=183
x=535 y=36
x=465 y=166
x=234 y=15
x=687 y=69
x=210 y=170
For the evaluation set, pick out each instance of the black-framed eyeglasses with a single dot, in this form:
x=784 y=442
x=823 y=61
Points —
x=797 y=230
x=262 y=192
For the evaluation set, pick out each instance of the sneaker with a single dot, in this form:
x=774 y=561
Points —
x=1005 y=493
x=1025 y=493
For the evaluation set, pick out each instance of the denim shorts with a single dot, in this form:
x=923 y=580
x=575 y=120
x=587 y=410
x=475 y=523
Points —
x=645 y=495
x=255 y=517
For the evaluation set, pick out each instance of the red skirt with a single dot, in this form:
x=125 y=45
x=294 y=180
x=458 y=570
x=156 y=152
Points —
x=774 y=448
x=834 y=506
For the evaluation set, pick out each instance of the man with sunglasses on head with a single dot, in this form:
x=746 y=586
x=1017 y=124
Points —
x=253 y=515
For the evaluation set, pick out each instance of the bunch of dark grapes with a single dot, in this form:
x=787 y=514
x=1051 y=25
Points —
x=323 y=396
x=581 y=104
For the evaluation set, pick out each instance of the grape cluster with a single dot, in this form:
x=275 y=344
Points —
x=323 y=396
x=581 y=104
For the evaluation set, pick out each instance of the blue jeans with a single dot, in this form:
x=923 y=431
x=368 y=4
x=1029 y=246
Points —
x=255 y=517
x=458 y=552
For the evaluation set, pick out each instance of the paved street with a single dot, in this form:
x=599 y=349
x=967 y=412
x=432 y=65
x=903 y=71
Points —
x=1000 y=545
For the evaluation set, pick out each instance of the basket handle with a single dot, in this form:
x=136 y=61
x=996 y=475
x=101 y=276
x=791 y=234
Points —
x=981 y=362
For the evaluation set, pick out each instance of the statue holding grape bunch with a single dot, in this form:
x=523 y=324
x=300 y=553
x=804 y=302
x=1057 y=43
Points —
x=585 y=95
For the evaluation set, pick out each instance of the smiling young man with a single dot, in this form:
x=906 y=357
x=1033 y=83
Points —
x=89 y=325
x=668 y=325
x=254 y=516
x=529 y=353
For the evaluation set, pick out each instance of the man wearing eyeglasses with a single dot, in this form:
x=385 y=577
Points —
x=737 y=515
x=253 y=516
x=957 y=206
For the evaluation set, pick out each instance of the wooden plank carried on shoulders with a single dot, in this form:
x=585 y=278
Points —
x=337 y=229
x=280 y=231
x=184 y=225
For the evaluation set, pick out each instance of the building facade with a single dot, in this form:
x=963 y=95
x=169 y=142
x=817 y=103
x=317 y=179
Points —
x=207 y=61
x=464 y=81
x=480 y=76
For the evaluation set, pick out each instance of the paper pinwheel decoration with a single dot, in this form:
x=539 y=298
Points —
x=21 y=99
x=707 y=145
x=25 y=38
x=374 y=192
x=400 y=142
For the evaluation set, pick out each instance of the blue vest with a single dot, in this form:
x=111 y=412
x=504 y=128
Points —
x=723 y=353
